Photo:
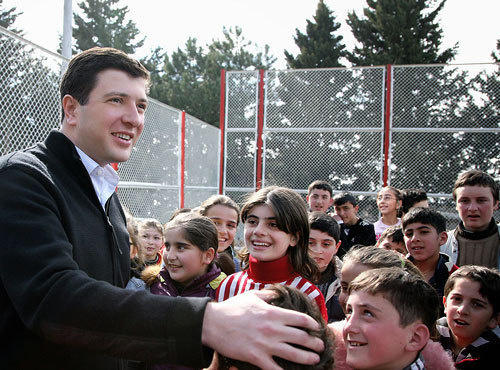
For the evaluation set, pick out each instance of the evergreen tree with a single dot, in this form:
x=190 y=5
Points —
x=398 y=32
x=8 y=17
x=189 y=79
x=319 y=47
x=496 y=55
x=105 y=25
x=28 y=102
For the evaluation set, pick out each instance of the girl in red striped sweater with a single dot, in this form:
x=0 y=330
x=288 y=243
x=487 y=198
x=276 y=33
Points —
x=276 y=246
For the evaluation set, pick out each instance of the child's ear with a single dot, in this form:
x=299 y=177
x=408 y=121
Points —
x=338 y=246
x=444 y=303
x=494 y=321
x=208 y=256
x=419 y=338
x=443 y=237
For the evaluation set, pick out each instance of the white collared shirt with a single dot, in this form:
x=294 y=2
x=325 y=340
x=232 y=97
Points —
x=105 y=179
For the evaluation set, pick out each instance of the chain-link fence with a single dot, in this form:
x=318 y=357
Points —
x=417 y=126
x=150 y=181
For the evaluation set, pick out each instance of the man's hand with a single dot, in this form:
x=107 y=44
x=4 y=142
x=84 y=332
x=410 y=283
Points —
x=246 y=328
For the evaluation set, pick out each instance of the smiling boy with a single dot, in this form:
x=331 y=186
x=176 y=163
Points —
x=390 y=314
x=476 y=240
x=470 y=332
x=424 y=232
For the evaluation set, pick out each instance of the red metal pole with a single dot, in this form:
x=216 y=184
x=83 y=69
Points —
x=183 y=158
x=222 y=126
x=387 y=123
x=260 y=129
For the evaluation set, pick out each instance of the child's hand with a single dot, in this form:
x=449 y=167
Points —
x=246 y=328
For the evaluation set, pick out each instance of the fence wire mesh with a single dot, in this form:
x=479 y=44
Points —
x=149 y=182
x=329 y=124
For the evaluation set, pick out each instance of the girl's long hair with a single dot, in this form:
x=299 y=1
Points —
x=292 y=218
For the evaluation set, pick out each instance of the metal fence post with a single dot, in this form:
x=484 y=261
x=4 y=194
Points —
x=222 y=126
x=260 y=129
x=182 y=147
x=387 y=124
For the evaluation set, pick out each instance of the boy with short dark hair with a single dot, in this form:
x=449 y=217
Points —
x=390 y=315
x=424 y=232
x=353 y=230
x=413 y=198
x=319 y=196
x=470 y=331
x=393 y=239
x=476 y=240
x=323 y=246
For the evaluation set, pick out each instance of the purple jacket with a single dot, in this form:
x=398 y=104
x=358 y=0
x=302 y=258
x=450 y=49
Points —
x=203 y=286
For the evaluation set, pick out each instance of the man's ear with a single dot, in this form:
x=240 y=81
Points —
x=70 y=106
x=330 y=202
x=419 y=337
x=443 y=237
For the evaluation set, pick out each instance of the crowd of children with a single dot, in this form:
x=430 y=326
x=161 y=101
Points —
x=402 y=293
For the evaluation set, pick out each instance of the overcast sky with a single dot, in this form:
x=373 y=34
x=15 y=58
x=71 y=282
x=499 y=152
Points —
x=169 y=23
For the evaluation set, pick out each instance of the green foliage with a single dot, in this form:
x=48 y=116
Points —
x=496 y=55
x=319 y=47
x=29 y=100
x=398 y=32
x=8 y=17
x=104 y=25
x=189 y=79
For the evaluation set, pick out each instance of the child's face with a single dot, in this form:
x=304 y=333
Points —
x=150 y=241
x=372 y=321
x=322 y=248
x=468 y=313
x=387 y=202
x=184 y=261
x=423 y=241
x=475 y=206
x=319 y=200
x=348 y=213
x=349 y=272
x=391 y=245
x=263 y=239
x=226 y=221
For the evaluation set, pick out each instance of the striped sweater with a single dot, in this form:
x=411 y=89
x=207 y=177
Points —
x=260 y=275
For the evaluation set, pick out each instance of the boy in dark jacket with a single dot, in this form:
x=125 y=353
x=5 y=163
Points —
x=470 y=331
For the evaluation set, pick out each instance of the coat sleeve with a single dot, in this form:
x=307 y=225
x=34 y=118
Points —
x=44 y=290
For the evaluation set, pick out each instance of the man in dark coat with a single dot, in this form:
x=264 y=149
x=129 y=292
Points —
x=64 y=256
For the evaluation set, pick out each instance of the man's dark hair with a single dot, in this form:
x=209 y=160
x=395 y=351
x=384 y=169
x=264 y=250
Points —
x=343 y=198
x=321 y=185
x=410 y=197
x=488 y=279
x=426 y=216
x=324 y=223
x=81 y=76
x=476 y=178
x=293 y=299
